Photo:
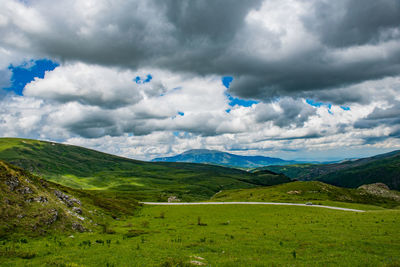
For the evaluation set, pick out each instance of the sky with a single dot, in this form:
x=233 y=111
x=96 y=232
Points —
x=309 y=80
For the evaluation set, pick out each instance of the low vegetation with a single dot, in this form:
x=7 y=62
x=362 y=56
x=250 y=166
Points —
x=227 y=235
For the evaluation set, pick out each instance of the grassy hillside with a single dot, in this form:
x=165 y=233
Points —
x=386 y=170
x=313 y=191
x=383 y=168
x=83 y=168
x=227 y=235
x=32 y=206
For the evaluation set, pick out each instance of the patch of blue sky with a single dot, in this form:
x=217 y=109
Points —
x=345 y=108
x=226 y=81
x=240 y=102
x=313 y=103
x=182 y=134
x=27 y=72
x=140 y=80
x=179 y=114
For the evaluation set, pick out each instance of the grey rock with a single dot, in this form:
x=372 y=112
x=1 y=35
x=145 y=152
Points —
x=77 y=210
x=41 y=199
x=53 y=217
x=78 y=227
x=66 y=199
x=25 y=190
x=76 y=201
x=12 y=183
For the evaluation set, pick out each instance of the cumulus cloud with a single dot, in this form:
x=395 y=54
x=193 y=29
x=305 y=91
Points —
x=92 y=85
x=344 y=54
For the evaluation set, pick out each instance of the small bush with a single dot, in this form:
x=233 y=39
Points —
x=199 y=222
x=134 y=233
x=172 y=262
x=26 y=255
x=145 y=224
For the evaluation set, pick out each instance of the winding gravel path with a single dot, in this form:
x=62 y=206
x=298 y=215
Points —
x=247 y=203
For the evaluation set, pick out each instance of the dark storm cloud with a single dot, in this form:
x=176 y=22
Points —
x=213 y=37
x=293 y=112
x=355 y=22
x=217 y=20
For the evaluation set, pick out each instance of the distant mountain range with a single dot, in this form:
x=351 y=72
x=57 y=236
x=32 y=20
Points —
x=223 y=158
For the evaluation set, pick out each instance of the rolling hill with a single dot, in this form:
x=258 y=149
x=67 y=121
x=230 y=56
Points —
x=82 y=168
x=383 y=168
x=223 y=158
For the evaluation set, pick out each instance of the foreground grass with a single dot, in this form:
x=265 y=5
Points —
x=236 y=235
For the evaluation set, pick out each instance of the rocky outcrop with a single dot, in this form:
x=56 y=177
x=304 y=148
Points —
x=12 y=183
x=53 y=217
x=77 y=210
x=25 y=190
x=70 y=202
x=380 y=189
x=78 y=227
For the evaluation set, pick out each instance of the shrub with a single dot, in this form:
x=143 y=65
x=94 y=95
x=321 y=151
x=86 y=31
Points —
x=134 y=233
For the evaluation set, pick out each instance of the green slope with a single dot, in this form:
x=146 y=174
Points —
x=384 y=168
x=83 y=168
x=32 y=206
x=315 y=192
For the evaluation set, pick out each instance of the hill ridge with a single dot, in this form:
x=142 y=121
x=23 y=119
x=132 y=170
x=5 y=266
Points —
x=223 y=158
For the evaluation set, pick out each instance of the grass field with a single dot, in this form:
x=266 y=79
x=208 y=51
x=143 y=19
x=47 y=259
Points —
x=312 y=191
x=234 y=235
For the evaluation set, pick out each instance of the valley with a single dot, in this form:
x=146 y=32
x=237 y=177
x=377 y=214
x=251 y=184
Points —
x=71 y=206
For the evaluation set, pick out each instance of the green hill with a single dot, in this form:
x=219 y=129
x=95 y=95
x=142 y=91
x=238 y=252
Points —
x=384 y=168
x=82 y=168
x=30 y=205
x=315 y=192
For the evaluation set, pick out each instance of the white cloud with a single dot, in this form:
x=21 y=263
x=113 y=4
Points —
x=279 y=52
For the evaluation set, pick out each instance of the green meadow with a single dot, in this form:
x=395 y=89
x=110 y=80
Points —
x=229 y=235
